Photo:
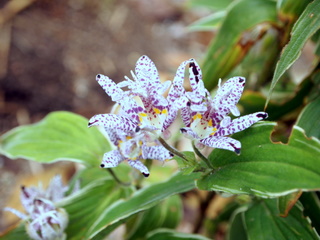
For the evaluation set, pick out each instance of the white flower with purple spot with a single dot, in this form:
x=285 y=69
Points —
x=206 y=119
x=44 y=221
x=135 y=129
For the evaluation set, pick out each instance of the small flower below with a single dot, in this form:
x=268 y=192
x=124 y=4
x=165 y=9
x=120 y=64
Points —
x=44 y=221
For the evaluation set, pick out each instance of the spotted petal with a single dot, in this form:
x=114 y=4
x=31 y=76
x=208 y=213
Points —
x=114 y=121
x=147 y=73
x=177 y=90
x=195 y=78
x=189 y=133
x=139 y=165
x=240 y=123
x=156 y=152
x=56 y=190
x=111 y=159
x=110 y=87
x=223 y=143
x=228 y=96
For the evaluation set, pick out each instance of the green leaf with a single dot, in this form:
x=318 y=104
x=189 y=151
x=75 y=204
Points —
x=85 y=206
x=19 y=232
x=214 y=5
x=184 y=166
x=311 y=204
x=254 y=101
x=160 y=234
x=307 y=24
x=309 y=118
x=213 y=226
x=59 y=136
x=236 y=36
x=208 y=23
x=237 y=229
x=290 y=10
x=142 y=200
x=166 y=214
x=265 y=168
x=262 y=221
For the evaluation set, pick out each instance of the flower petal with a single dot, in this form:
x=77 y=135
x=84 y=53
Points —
x=173 y=109
x=56 y=190
x=195 y=78
x=186 y=116
x=114 y=121
x=115 y=135
x=228 y=96
x=189 y=133
x=156 y=152
x=110 y=87
x=111 y=159
x=147 y=73
x=240 y=123
x=226 y=143
x=130 y=148
x=16 y=212
x=140 y=166
x=177 y=90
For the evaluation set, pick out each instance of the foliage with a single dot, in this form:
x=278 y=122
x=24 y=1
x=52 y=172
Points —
x=273 y=180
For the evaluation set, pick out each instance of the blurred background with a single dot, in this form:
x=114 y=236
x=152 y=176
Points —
x=50 y=52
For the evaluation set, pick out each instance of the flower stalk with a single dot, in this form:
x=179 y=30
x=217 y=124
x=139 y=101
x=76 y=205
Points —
x=172 y=150
x=201 y=156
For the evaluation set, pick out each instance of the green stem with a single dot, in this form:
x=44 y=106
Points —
x=172 y=150
x=116 y=178
x=200 y=155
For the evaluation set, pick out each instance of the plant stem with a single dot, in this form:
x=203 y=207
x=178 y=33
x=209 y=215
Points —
x=200 y=155
x=116 y=178
x=172 y=150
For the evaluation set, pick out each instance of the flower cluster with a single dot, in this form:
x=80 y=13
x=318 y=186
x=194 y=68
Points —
x=44 y=221
x=144 y=114
x=142 y=117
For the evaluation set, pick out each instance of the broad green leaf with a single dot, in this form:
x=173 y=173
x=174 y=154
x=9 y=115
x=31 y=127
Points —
x=166 y=214
x=216 y=4
x=265 y=168
x=235 y=37
x=285 y=203
x=307 y=24
x=311 y=204
x=309 y=119
x=262 y=221
x=208 y=23
x=161 y=234
x=142 y=200
x=258 y=61
x=59 y=136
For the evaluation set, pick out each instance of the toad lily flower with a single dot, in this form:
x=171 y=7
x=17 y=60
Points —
x=141 y=120
x=44 y=221
x=208 y=122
